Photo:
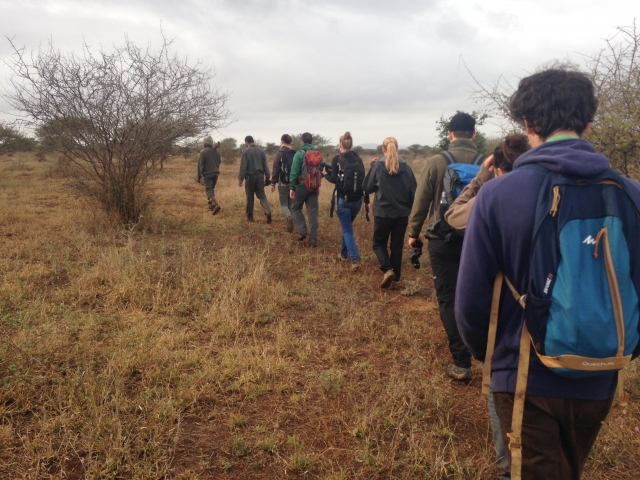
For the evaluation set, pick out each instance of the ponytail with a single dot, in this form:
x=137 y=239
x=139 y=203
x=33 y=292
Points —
x=392 y=164
x=346 y=141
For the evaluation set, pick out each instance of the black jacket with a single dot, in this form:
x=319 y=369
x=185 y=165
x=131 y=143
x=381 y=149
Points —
x=335 y=170
x=394 y=194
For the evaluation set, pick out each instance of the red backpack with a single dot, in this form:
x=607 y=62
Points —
x=311 y=172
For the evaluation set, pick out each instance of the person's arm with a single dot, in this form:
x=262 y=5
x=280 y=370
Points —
x=243 y=167
x=423 y=199
x=478 y=270
x=413 y=185
x=275 y=171
x=200 y=165
x=458 y=213
x=265 y=165
x=370 y=184
x=296 y=167
x=333 y=176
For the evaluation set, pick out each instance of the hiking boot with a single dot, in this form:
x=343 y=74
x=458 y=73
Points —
x=459 y=373
x=313 y=243
x=301 y=236
x=344 y=259
x=211 y=203
x=290 y=225
x=355 y=267
x=249 y=219
x=268 y=215
x=216 y=209
x=388 y=278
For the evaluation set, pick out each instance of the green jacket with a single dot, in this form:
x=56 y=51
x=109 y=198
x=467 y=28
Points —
x=429 y=188
x=296 y=166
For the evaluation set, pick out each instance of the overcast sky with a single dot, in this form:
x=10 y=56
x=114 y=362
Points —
x=376 y=68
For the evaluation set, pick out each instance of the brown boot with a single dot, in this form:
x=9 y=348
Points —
x=212 y=202
x=215 y=208
x=268 y=215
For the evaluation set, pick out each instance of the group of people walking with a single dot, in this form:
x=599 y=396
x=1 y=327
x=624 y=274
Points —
x=562 y=228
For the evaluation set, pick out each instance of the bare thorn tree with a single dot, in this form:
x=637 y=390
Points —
x=115 y=114
x=615 y=72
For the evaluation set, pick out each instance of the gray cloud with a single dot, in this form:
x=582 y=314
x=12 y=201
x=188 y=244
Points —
x=374 y=67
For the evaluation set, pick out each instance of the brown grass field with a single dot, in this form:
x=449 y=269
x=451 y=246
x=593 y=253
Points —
x=201 y=347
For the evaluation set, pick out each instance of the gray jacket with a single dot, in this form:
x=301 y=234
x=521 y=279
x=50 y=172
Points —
x=253 y=162
x=209 y=162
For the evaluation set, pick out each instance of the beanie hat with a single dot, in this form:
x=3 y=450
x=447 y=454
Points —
x=208 y=140
x=462 y=122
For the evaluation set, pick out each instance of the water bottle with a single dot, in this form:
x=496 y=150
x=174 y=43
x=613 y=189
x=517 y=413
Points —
x=444 y=204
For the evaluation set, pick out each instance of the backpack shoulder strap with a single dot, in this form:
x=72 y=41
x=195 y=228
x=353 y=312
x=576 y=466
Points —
x=448 y=157
x=478 y=159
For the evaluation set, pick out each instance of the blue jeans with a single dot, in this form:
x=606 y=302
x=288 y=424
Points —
x=502 y=461
x=347 y=213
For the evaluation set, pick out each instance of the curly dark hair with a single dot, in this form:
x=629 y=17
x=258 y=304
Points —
x=558 y=98
x=505 y=154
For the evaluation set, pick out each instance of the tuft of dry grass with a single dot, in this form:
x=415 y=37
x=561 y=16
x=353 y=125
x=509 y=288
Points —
x=194 y=346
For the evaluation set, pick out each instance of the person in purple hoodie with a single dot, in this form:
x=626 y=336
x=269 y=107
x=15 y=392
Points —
x=562 y=416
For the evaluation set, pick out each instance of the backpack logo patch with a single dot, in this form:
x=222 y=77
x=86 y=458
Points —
x=589 y=240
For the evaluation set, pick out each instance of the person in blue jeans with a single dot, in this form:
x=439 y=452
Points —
x=347 y=173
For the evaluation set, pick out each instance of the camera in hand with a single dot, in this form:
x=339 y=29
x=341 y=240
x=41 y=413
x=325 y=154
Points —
x=414 y=256
x=325 y=166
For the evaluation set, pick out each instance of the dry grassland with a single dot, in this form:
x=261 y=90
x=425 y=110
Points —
x=203 y=347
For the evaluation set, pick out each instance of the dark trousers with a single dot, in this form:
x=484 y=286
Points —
x=254 y=185
x=445 y=263
x=557 y=433
x=210 y=185
x=383 y=229
x=310 y=199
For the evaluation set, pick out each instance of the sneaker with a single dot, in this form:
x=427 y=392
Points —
x=388 y=278
x=344 y=259
x=355 y=267
x=216 y=209
x=459 y=373
x=290 y=225
x=268 y=215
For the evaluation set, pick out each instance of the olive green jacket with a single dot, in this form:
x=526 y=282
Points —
x=429 y=188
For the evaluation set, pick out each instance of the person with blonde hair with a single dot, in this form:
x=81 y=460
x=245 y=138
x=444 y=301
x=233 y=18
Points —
x=347 y=173
x=393 y=183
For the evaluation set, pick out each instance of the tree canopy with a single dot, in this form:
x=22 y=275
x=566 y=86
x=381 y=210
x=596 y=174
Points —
x=116 y=114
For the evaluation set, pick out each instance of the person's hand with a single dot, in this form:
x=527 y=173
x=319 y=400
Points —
x=367 y=208
x=488 y=163
x=292 y=194
x=273 y=188
x=239 y=184
x=413 y=240
x=375 y=159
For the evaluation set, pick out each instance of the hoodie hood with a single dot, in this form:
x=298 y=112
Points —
x=575 y=157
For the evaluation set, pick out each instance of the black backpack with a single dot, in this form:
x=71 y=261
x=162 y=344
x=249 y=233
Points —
x=351 y=175
x=285 y=164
